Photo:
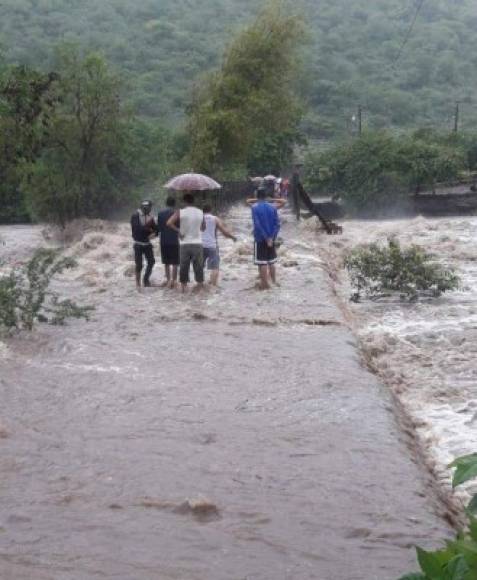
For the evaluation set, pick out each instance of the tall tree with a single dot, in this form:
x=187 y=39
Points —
x=27 y=103
x=81 y=171
x=246 y=112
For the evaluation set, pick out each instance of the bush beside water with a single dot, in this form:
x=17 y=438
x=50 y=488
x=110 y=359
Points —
x=25 y=297
x=378 y=271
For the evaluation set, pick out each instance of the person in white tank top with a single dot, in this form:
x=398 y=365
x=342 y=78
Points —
x=191 y=224
x=209 y=241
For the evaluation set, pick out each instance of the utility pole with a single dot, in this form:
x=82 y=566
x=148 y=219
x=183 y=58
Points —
x=360 y=119
x=456 y=117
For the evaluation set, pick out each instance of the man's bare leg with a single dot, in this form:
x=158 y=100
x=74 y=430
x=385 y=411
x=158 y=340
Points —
x=214 y=278
x=273 y=274
x=173 y=282
x=263 y=271
x=167 y=272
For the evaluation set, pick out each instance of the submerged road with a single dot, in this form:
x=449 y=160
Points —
x=234 y=435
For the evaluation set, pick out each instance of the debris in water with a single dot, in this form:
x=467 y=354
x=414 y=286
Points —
x=200 y=508
x=199 y=316
x=261 y=322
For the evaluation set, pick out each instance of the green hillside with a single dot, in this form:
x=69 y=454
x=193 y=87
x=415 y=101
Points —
x=352 y=55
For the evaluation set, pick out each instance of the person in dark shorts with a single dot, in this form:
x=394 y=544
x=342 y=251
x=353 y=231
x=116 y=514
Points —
x=169 y=243
x=266 y=225
x=143 y=228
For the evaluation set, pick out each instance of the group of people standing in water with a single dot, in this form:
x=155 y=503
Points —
x=189 y=236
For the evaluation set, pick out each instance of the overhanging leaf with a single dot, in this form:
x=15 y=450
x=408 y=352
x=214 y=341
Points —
x=468 y=549
x=431 y=564
x=465 y=469
x=472 y=507
x=457 y=569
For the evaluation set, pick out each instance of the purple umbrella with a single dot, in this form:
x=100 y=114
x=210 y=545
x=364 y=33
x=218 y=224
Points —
x=192 y=182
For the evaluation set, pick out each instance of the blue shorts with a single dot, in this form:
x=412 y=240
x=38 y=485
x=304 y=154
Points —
x=211 y=258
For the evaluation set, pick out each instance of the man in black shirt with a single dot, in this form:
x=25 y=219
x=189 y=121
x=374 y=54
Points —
x=143 y=228
x=169 y=243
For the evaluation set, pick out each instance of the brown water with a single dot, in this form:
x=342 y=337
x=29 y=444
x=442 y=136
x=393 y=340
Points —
x=234 y=435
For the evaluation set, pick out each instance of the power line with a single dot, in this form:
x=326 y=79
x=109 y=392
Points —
x=408 y=35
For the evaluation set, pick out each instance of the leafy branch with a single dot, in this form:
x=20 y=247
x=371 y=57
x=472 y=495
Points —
x=458 y=560
x=25 y=297
x=411 y=272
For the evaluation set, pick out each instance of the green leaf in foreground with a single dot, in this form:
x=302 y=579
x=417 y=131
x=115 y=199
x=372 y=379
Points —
x=457 y=569
x=431 y=564
x=466 y=469
x=468 y=549
x=472 y=507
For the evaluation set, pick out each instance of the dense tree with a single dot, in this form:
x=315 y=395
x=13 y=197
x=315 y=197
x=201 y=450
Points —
x=353 y=56
x=378 y=170
x=96 y=152
x=27 y=102
x=246 y=112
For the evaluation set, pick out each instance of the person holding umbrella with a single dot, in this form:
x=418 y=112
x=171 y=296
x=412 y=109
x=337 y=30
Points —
x=189 y=224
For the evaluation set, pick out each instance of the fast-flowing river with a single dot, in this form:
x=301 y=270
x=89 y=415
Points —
x=231 y=435
x=425 y=351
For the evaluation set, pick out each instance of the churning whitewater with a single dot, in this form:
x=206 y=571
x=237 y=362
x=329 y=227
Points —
x=425 y=351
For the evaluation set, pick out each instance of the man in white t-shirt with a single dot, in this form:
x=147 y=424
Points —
x=191 y=225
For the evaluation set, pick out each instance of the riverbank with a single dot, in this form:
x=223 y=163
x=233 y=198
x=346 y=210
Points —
x=230 y=435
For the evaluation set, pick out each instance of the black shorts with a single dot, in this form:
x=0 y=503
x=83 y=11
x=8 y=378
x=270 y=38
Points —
x=263 y=254
x=141 y=250
x=170 y=254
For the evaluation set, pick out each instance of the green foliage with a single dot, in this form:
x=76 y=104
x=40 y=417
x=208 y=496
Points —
x=25 y=297
x=96 y=151
x=458 y=560
x=164 y=45
x=377 y=270
x=80 y=169
x=246 y=112
x=70 y=148
x=465 y=469
x=27 y=102
x=378 y=170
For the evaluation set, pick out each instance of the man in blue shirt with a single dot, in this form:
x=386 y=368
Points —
x=266 y=225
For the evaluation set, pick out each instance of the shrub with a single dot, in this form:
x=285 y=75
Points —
x=376 y=172
x=377 y=270
x=25 y=297
x=458 y=560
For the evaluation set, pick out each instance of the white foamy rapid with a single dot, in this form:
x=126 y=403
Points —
x=425 y=351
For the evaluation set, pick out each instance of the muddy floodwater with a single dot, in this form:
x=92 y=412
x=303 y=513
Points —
x=231 y=435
